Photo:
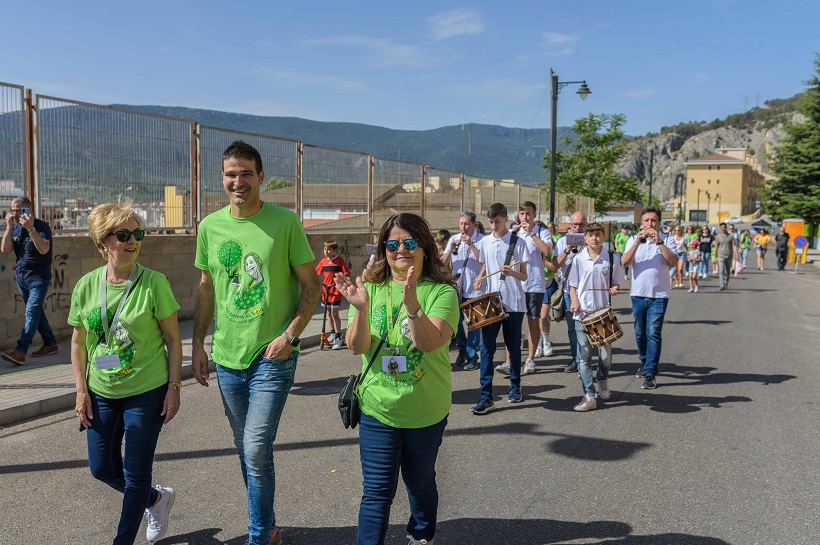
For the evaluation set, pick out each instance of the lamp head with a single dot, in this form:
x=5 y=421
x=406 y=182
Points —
x=584 y=91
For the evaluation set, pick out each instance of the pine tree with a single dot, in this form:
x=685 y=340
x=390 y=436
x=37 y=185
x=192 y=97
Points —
x=796 y=163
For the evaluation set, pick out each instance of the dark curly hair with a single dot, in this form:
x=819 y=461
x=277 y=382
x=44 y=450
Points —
x=432 y=268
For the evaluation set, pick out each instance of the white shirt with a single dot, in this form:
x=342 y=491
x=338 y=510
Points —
x=470 y=272
x=650 y=273
x=588 y=273
x=560 y=247
x=493 y=252
x=535 y=282
x=677 y=246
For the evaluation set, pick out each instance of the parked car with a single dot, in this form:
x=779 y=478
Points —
x=734 y=219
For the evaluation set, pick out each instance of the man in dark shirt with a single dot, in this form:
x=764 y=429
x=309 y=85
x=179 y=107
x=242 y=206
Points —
x=782 y=251
x=30 y=240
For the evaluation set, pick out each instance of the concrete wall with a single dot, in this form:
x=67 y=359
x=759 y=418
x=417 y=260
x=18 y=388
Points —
x=172 y=255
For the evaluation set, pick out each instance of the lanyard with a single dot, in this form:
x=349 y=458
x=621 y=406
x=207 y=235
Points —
x=104 y=304
x=392 y=344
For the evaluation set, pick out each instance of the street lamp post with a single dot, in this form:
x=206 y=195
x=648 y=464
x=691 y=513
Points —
x=698 y=208
x=555 y=88
x=680 y=181
x=708 y=205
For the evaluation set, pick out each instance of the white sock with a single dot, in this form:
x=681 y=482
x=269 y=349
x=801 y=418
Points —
x=545 y=338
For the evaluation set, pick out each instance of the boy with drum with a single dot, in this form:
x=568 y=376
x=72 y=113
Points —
x=593 y=277
x=503 y=257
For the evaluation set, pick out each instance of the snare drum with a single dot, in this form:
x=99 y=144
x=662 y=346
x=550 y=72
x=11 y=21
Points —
x=602 y=327
x=483 y=311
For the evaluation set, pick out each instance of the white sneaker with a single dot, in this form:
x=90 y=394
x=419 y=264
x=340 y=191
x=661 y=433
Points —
x=603 y=390
x=539 y=351
x=504 y=368
x=337 y=344
x=529 y=367
x=587 y=403
x=547 y=348
x=158 y=514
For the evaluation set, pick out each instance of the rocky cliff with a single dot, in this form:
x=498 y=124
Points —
x=673 y=150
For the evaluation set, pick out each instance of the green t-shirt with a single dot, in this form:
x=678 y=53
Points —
x=138 y=338
x=548 y=274
x=421 y=396
x=251 y=262
x=690 y=237
x=745 y=241
x=620 y=241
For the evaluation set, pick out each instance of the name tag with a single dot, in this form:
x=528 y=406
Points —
x=394 y=364
x=108 y=362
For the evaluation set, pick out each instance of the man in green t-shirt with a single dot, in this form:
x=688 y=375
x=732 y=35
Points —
x=254 y=257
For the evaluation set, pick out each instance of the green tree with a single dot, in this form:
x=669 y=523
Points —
x=587 y=166
x=274 y=183
x=796 y=163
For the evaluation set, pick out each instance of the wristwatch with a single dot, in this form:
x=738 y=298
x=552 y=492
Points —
x=31 y=229
x=415 y=316
x=293 y=341
x=176 y=384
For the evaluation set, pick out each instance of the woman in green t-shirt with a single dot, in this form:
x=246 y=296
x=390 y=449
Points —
x=127 y=384
x=407 y=295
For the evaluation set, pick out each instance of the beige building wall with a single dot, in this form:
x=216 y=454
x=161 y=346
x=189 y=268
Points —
x=732 y=184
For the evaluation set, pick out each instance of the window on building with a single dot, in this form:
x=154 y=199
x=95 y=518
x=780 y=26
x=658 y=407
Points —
x=718 y=167
x=708 y=181
x=717 y=181
x=710 y=167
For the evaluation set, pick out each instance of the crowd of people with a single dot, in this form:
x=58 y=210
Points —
x=418 y=292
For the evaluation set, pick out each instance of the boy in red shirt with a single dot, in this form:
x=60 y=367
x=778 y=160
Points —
x=331 y=298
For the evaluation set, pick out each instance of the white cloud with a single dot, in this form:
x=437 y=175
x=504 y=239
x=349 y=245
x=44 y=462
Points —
x=496 y=89
x=381 y=52
x=298 y=79
x=559 y=44
x=640 y=93
x=455 y=23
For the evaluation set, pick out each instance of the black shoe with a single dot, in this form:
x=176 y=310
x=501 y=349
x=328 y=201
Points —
x=472 y=365
x=461 y=359
x=640 y=373
x=571 y=367
x=648 y=383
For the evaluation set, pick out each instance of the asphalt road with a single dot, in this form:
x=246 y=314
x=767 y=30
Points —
x=725 y=451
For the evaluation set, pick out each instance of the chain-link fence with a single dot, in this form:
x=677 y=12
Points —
x=85 y=154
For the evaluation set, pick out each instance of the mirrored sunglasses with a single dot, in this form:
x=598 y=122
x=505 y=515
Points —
x=124 y=235
x=409 y=244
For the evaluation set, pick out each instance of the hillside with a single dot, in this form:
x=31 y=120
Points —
x=497 y=152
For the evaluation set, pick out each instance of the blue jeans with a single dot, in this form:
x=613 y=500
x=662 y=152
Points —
x=571 y=330
x=34 y=295
x=512 y=338
x=467 y=341
x=384 y=450
x=649 y=314
x=585 y=360
x=705 y=259
x=743 y=253
x=254 y=399
x=136 y=418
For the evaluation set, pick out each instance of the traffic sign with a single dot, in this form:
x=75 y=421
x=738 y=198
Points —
x=801 y=241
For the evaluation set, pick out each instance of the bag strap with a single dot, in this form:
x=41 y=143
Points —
x=611 y=265
x=378 y=348
x=510 y=251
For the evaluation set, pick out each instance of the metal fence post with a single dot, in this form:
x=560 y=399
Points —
x=371 y=175
x=463 y=193
x=300 y=155
x=195 y=176
x=422 y=203
x=28 y=145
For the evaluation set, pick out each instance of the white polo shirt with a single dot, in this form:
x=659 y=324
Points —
x=588 y=273
x=560 y=247
x=493 y=252
x=535 y=282
x=465 y=256
x=650 y=273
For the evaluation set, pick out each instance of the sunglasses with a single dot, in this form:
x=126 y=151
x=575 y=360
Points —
x=409 y=244
x=124 y=235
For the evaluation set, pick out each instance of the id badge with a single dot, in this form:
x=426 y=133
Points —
x=393 y=365
x=108 y=362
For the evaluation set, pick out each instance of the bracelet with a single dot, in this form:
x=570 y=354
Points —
x=176 y=384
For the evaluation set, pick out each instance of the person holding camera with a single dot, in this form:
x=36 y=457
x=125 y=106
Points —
x=462 y=256
x=30 y=240
x=565 y=251
x=650 y=259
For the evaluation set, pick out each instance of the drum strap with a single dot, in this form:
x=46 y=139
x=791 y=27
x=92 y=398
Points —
x=510 y=251
x=611 y=264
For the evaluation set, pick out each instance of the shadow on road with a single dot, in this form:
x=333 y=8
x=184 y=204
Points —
x=469 y=531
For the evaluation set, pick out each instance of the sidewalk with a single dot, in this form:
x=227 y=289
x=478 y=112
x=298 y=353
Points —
x=46 y=385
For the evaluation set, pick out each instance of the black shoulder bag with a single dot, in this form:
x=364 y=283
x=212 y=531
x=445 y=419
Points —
x=349 y=396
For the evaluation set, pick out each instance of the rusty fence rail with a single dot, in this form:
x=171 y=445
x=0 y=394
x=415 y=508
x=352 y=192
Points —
x=69 y=156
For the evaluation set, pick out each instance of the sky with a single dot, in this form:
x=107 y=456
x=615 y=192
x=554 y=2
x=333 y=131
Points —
x=417 y=65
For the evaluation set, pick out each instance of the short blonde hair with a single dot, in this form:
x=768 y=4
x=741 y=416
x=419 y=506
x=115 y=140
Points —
x=105 y=217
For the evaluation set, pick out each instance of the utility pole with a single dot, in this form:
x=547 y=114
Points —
x=651 y=165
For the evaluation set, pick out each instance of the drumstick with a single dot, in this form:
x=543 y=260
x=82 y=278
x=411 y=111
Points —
x=496 y=272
